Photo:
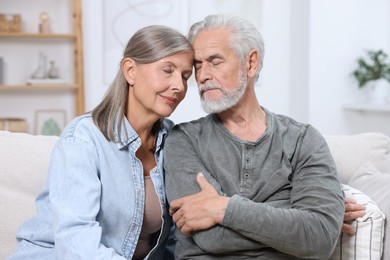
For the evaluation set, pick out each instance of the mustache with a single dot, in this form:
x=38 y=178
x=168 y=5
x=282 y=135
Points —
x=208 y=86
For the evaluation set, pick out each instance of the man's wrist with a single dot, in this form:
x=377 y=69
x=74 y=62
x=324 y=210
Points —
x=224 y=201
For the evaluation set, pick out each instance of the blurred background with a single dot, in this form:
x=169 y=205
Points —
x=311 y=51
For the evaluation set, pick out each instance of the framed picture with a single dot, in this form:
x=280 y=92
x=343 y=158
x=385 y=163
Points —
x=50 y=121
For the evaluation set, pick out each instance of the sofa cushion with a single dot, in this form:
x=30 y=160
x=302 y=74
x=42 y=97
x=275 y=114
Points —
x=367 y=243
x=349 y=151
x=375 y=184
x=24 y=161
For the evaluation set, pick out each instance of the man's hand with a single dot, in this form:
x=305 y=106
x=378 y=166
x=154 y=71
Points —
x=352 y=212
x=200 y=211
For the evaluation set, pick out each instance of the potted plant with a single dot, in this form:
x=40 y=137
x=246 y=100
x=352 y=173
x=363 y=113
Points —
x=373 y=71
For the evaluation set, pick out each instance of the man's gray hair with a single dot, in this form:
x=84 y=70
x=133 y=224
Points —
x=245 y=36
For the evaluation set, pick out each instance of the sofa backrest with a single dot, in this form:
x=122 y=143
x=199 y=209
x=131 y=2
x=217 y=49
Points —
x=24 y=161
x=351 y=151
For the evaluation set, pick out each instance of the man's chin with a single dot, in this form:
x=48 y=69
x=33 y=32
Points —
x=212 y=94
x=210 y=108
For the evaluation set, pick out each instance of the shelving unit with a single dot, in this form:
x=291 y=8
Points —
x=53 y=87
x=67 y=43
x=368 y=107
x=37 y=35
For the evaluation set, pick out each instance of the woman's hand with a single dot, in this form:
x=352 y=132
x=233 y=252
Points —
x=352 y=212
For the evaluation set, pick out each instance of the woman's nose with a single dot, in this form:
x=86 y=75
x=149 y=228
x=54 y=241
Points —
x=180 y=84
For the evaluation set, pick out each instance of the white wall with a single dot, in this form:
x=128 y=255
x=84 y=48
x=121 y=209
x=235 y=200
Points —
x=193 y=10
x=311 y=49
x=274 y=84
x=339 y=32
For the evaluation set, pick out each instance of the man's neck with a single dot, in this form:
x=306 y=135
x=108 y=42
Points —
x=246 y=121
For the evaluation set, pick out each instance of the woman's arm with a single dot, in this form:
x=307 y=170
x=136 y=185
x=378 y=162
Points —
x=75 y=192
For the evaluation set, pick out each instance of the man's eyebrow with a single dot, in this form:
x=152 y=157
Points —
x=210 y=58
x=214 y=56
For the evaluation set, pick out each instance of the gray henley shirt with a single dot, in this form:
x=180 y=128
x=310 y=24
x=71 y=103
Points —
x=285 y=197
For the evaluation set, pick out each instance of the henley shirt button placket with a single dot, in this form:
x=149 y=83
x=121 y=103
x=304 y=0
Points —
x=247 y=147
x=245 y=185
x=246 y=175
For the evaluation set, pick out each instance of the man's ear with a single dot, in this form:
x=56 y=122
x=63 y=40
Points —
x=252 y=62
x=129 y=70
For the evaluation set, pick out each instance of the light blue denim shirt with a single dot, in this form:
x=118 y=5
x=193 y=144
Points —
x=92 y=204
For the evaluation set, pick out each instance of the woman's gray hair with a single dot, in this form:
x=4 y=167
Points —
x=147 y=45
x=245 y=36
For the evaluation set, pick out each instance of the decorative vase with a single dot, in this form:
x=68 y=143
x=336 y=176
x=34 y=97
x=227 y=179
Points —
x=378 y=92
x=53 y=70
x=40 y=72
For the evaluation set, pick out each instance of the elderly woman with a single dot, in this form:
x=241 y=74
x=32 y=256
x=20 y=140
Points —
x=104 y=197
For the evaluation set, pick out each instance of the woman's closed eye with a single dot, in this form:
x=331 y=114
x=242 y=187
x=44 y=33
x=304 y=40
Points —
x=168 y=70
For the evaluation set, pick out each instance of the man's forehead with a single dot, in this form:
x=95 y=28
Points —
x=209 y=54
x=210 y=47
x=206 y=49
x=212 y=38
x=204 y=43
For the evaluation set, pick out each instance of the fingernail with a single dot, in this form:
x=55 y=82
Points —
x=200 y=174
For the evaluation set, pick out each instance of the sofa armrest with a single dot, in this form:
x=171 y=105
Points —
x=24 y=160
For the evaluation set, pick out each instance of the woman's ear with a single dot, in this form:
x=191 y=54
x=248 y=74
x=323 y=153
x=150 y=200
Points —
x=252 y=62
x=129 y=70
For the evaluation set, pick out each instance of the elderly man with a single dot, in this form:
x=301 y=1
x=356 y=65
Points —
x=243 y=182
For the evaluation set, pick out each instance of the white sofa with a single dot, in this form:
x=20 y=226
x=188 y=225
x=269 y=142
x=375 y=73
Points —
x=24 y=161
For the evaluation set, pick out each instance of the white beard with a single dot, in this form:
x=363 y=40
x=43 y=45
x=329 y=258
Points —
x=228 y=99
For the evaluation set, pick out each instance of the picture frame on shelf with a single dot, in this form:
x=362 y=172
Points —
x=50 y=121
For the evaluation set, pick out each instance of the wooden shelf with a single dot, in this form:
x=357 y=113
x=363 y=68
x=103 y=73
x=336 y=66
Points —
x=40 y=86
x=368 y=107
x=37 y=35
x=73 y=39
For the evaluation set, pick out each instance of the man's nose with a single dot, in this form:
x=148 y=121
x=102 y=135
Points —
x=203 y=74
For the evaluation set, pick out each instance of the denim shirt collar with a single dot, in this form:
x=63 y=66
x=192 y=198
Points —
x=128 y=135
